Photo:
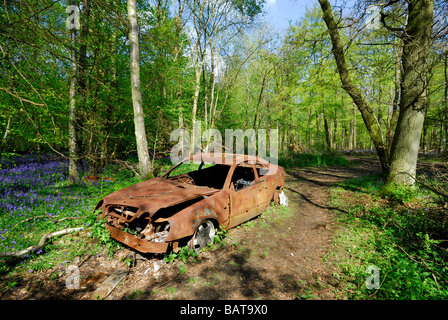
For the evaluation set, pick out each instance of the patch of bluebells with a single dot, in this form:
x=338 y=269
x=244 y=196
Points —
x=31 y=188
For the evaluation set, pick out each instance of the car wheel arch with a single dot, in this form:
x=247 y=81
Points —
x=183 y=227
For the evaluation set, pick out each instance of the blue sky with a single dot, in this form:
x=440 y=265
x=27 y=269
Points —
x=279 y=12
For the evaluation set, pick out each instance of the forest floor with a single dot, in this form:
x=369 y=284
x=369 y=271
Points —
x=284 y=258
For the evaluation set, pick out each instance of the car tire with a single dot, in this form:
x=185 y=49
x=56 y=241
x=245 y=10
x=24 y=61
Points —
x=202 y=236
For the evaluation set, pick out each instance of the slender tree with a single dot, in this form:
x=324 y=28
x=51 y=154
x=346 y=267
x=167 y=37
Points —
x=73 y=175
x=359 y=99
x=139 y=117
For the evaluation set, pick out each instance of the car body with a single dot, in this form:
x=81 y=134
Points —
x=173 y=210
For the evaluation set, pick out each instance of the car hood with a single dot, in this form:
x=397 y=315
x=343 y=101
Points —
x=152 y=195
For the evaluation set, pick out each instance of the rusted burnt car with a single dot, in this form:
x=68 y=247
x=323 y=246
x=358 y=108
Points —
x=174 y=210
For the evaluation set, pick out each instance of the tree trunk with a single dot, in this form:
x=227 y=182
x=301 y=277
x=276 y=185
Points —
x=197 y=88
x=73 y=175
x=108 y=123
x=327 y=133
x=198 y=67
x=260 y=97
x=361 y=102
x=335 y=124
x=354 y=126
x=176 y=51
x=425 y=138
x=414 y=93
x=139 y=118
x=5 y=135
x=445 y=100
x=393 y=115
x=82 y=83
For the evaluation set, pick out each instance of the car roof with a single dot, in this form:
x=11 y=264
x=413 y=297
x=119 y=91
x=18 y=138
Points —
x=227 y=158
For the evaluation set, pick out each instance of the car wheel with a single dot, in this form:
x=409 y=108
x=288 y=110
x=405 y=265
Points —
x=203 y=235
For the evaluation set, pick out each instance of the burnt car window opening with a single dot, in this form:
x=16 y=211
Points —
x=206 y=175
x=184 y=167
x=243 y=177
x=212 y=177
x=262 y=171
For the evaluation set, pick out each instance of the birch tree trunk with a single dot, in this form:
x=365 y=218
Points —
x=414 y=92
x=73 y=175
x=139 y=117
x=5 y=135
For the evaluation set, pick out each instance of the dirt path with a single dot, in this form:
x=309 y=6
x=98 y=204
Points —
x=279 y=259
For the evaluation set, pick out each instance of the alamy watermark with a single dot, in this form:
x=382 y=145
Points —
x=373 y=17
x=373 y=281
x=72 y=281
x=211 y=143
x=72 y=21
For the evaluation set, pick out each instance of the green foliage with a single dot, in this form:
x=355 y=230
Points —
x=290 y=84
x=400 y=193
x=37 y=200
x=99 y=232
x=285 y=81
x=401 y=241
x=183 y=254
x=220 y=234
x=272 y=214
x=375 y=184
x=293 y=159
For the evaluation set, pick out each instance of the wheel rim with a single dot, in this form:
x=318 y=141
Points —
x=203 y=235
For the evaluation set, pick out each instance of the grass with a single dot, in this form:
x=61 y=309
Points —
x=272 y=214
x=293 y=159
x=403 y=233
x=35 y=199
x=403 y=236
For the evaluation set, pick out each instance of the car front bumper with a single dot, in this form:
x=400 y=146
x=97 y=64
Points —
x=137 y=243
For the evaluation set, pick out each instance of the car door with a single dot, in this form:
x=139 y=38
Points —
x=264 y=192
x=248 y=194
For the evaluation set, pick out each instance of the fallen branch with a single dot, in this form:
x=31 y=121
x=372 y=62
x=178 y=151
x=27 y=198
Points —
x=439 y=192
x=422 y=263
x=110 y=283
x=41 y=244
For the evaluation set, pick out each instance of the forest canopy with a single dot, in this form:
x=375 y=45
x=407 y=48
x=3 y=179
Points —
x=65 y=84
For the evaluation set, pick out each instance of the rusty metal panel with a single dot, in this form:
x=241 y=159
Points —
x=135 y=242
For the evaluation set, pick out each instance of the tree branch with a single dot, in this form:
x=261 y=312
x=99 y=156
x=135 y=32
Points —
x=383 y=22
x=41 y=243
